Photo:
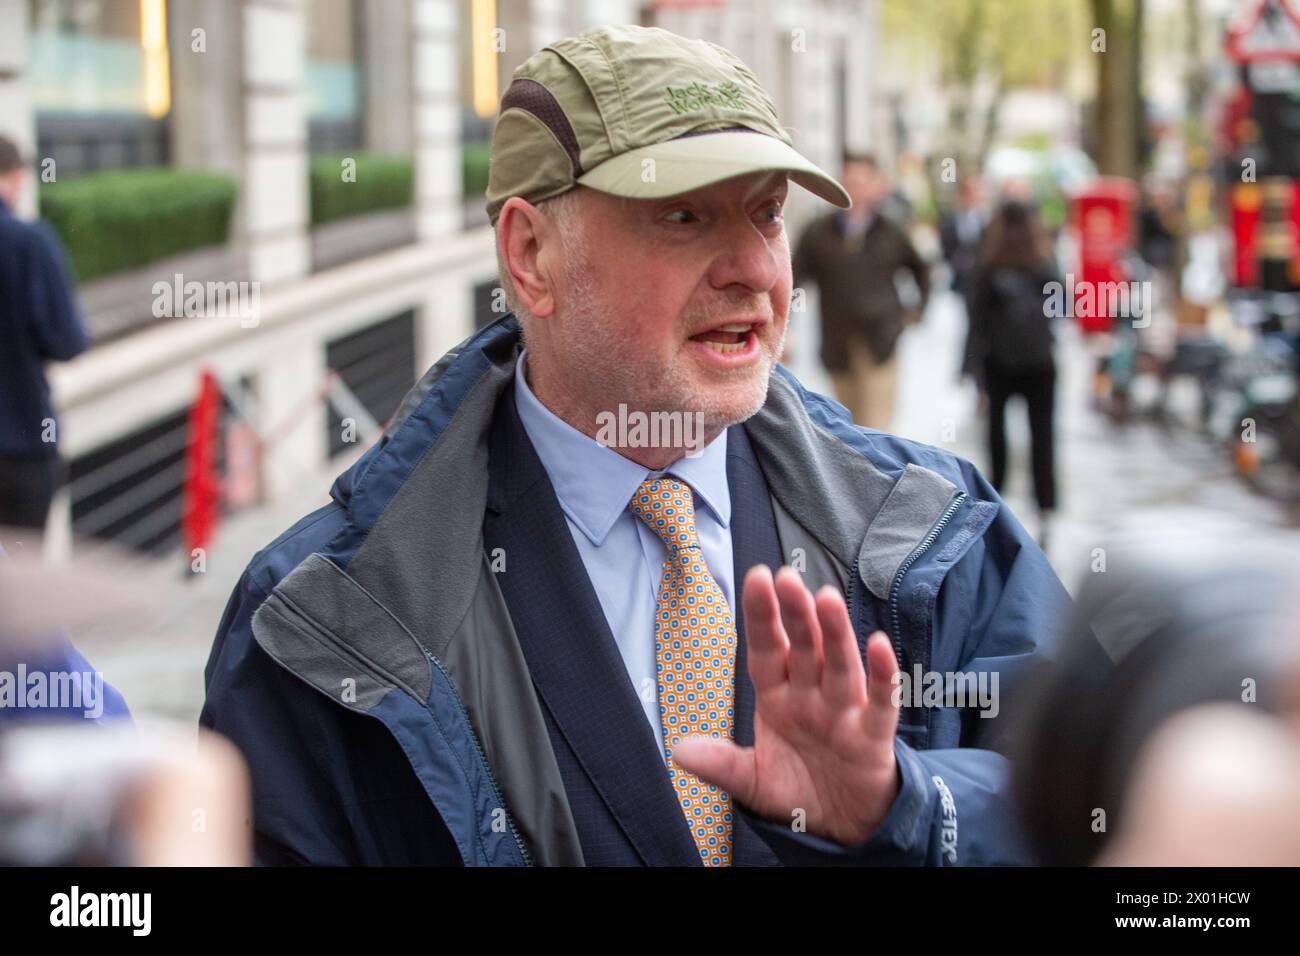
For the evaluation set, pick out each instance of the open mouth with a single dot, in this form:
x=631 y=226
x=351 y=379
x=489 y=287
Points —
x=726 y=339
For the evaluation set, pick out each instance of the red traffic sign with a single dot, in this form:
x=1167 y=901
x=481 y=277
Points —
x=1270 y=32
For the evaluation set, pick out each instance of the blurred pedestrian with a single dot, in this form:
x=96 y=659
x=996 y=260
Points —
x=1011 y=343
x=39 y=321
x=960 y=230
x=1158 y=228
x=854 y=256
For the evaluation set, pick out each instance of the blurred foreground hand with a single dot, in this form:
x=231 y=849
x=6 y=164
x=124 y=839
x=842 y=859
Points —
x=114 y=796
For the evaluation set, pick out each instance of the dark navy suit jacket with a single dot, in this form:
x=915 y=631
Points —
x=622 y=799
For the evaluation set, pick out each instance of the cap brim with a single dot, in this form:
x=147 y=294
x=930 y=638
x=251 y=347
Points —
x=692 y=162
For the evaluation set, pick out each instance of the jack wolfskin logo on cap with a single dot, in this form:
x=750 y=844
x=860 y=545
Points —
x=697 y=96
x=590 y=110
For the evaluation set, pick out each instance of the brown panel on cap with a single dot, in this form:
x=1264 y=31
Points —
x=531 y=96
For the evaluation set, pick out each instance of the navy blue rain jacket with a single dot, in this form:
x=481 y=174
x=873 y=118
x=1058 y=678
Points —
x=391 y=769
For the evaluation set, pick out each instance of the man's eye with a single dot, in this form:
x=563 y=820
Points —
x=682 y=217
x=773 y=211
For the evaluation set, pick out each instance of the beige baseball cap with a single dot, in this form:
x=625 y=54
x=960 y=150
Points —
x=638 y=112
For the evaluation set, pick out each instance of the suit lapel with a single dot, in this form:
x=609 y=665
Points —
x=753 y=541
x=571 y=654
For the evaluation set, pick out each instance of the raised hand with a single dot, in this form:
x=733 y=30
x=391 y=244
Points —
x=823 y=732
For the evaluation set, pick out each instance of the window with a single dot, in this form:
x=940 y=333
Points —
x=100 y=56
x=132 y=491
x=479 y=97
x=100 y=83
x=334 y=75
x=377 y=365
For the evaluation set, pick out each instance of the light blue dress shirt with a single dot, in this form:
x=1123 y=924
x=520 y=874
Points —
x=623 y=557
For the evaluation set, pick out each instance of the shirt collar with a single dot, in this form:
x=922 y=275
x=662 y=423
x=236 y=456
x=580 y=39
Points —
x=843 y=220
x=594 y=483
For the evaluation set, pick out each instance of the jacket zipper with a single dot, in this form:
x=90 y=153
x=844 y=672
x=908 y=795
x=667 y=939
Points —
x=854 y=584
x=911 y=559
x=496 y=791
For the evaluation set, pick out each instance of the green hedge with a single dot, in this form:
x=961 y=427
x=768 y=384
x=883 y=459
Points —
x=382 y=182
x=474 y=167
x=124 y=219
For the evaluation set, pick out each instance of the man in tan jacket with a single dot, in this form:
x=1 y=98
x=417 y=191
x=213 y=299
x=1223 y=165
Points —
x=853 y=256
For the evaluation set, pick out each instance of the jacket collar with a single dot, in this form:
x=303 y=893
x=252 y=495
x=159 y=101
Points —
x=593 y=482
x=415 y=506
x=814 y=465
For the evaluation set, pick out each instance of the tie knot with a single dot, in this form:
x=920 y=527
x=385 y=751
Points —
x=668 y=509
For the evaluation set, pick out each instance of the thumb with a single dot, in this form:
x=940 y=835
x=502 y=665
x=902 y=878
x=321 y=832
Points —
x=719 y=762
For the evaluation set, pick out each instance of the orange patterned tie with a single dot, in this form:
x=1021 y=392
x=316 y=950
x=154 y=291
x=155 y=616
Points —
x=695 y=654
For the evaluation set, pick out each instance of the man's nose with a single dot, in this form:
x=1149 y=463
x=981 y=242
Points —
x=746 y=257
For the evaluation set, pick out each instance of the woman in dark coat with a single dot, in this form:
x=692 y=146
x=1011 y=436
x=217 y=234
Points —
x=1011 y=341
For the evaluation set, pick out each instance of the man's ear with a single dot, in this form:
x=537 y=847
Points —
x=521 y=232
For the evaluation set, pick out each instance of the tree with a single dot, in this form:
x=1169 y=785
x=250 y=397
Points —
x=1117 y=115
x=982 y=49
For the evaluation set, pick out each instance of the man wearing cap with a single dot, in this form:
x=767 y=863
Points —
x=537 y=623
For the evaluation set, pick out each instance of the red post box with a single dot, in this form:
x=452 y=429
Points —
x=1245 y=203
x=1102 y=216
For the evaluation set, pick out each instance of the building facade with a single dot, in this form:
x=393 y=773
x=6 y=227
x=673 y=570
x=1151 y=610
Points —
x=347 y=289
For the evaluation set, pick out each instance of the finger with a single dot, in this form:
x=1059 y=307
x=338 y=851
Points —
x=799 y=617
x=766 y=646
x=844 y=683
x=882 y=712
x=719 y=762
